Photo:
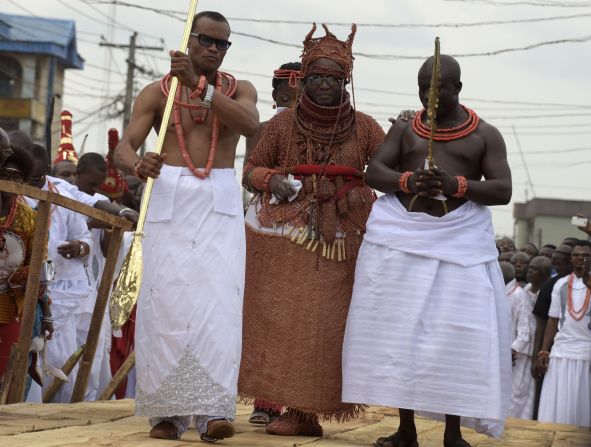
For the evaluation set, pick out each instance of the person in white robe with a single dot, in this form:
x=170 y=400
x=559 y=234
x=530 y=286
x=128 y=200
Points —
x=444 y=337
x=189 y=312
x=566 y=392
x=523 y=329
x=69 y=244
x=91 y=172
x=188 y=336
x=429 y=328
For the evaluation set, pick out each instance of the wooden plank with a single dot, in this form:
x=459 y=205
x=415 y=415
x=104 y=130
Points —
x=21 y=361
x=111 y=423
x=28 y=417
x=57 y=199
x=98 y=314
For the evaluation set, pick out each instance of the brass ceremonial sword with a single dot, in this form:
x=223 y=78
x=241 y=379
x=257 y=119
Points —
x=432 y=104
x=129 y=283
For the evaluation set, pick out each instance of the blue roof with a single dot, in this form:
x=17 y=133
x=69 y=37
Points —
x=40 y=35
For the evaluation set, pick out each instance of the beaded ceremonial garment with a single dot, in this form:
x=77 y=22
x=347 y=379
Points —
x=297 y=292
x=15 y=253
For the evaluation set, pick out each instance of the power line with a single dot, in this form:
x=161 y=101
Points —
x=57 y=29
x=176 y=14
x=557 y=4
x=579 y=39
x=98 y=67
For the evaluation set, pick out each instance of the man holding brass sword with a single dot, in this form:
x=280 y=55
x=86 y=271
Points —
x=429 y=298
x=189 y=314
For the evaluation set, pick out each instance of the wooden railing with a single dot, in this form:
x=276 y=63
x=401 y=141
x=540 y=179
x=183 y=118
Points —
x=15 y=378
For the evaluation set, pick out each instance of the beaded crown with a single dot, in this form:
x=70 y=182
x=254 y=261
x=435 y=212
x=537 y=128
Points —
x=329 y=47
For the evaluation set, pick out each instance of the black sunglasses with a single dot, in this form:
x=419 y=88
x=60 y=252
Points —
x=207 y=41
x=316 y=80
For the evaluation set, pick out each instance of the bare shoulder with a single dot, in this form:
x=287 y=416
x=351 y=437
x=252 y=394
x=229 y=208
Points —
x=488 y=131
x=245 y=88
x=151 y=95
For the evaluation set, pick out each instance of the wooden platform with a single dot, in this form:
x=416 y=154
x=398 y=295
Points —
x=113 y=424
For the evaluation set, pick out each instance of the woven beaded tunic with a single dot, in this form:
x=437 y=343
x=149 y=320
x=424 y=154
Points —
x=301 y=258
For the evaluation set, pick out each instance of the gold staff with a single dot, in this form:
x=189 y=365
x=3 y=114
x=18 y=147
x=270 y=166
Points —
x=432 y=105
x=129 y=283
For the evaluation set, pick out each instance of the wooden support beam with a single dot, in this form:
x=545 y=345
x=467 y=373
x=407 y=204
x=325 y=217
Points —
x=21 y=361
x=97 y=317
x=47 y=196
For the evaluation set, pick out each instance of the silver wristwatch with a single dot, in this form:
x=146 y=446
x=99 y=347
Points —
x=208 y=96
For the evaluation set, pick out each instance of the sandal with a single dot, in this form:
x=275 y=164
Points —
x=287 y=425
x=164 y=430
x=397 y=440
x=259 y=417
x=218 y=429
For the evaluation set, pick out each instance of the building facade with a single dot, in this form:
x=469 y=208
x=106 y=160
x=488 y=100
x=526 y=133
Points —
x=34 y=54
x=547 y=221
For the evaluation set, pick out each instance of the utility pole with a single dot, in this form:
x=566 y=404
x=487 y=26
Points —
x=131 y=66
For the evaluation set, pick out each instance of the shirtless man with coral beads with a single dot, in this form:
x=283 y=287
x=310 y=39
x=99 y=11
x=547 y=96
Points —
x=429 y=297
x=189 y=312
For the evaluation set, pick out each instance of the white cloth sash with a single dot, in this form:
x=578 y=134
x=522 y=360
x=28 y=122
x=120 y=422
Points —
x=464 y=236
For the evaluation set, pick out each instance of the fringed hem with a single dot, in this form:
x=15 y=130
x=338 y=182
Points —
x=352 y=411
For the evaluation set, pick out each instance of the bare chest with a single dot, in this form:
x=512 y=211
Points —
x=458 y=157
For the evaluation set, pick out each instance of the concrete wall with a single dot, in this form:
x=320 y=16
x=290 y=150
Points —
x=543 y=230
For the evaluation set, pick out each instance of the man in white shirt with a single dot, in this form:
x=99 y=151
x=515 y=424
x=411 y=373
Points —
x=91 y=172
x=69 y=244
x=566 y=393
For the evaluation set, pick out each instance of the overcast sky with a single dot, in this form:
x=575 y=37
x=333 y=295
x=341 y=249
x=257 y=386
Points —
x=544 y=92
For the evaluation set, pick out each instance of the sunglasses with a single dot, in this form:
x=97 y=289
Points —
x=331 y=81
x=207 y=41
x=11 y=174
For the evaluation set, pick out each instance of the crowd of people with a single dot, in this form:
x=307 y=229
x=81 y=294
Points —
x=74 y=258
x=320 y=298
x=548 y=293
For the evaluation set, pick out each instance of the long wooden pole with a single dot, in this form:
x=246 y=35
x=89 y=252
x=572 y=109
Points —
x=21 y=361
x=67 y=368
x=8 y=374
x=128 y=286
x=98 y=314
x=118 y=377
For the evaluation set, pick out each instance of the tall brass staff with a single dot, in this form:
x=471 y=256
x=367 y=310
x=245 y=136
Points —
x=129 y=283
x=432 y=105
x=433 y=102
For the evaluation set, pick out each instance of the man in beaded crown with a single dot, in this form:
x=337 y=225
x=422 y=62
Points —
x=429 y=282
x=302 y=236
x=189 y=311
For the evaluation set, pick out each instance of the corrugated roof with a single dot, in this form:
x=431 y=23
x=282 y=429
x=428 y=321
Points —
x=40 y=35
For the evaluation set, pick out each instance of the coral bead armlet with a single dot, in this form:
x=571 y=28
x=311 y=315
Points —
x=462 y=186
x=259 y=178
x=403 y=182
x=136 y=170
